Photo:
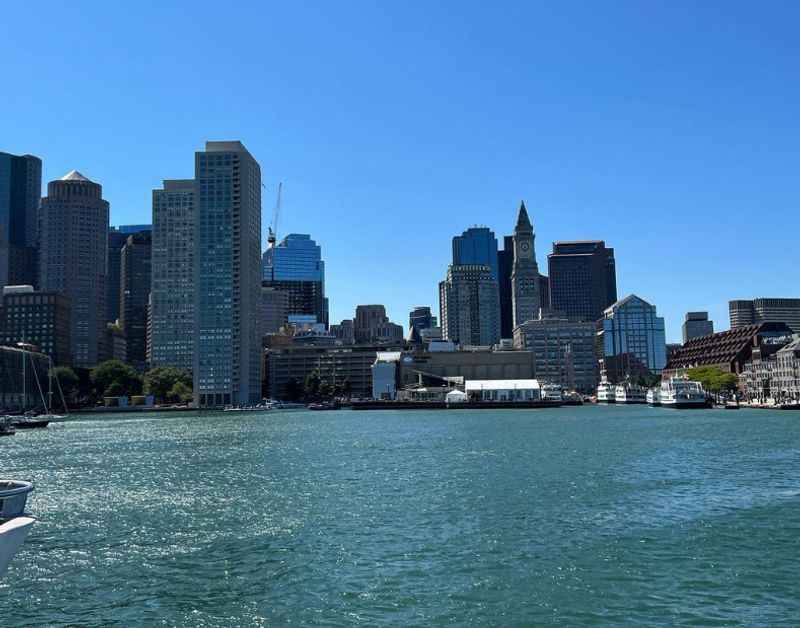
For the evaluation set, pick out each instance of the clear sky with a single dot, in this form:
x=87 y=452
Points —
x=668 y=129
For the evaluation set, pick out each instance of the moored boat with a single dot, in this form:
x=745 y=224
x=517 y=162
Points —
x=683 y=393
x=606 y=391
x=653 y=397
x=629 y=393
x=14 y=524
x=6 y=426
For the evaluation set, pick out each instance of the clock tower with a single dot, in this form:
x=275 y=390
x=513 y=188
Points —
x=525 y=272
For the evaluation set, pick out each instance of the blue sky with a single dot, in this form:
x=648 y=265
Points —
x=668 y=129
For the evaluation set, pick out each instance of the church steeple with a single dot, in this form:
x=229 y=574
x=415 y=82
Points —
x=523 y=222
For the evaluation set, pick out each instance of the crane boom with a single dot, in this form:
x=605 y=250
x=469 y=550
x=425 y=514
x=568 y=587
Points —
x=272 y=237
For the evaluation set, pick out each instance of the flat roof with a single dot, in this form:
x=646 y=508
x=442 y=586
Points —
x=501 y=384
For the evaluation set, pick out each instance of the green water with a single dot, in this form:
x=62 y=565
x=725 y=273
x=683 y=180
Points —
x=593 y=516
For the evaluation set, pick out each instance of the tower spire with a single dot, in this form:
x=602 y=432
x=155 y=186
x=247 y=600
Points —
x=523 y=222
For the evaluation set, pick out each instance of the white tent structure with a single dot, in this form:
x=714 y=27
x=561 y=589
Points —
x=504 y=389
x=455 y=396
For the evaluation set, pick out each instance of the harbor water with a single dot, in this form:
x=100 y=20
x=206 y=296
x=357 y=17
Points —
x=575 y=516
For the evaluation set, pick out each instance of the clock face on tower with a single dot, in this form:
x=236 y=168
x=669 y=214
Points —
x=524 y=246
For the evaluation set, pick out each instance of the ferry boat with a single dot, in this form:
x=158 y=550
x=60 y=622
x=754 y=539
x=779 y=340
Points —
x=552 y=392
x=654 y=397
x=629 y=393
x=14 y=523
x=606 y=392
x=681 y=392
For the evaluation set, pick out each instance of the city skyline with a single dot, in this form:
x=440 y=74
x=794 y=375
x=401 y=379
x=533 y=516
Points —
x=676 y=155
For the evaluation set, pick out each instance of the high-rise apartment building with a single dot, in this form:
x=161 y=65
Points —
x=172 y=321
x=274 y=309
x=477 y=245
x=227 y=260
x=696 y=324
x=295 y=266
x=72 y=259
x=135 y=265
x=20 y=194
x=631 y=337
x=764 y=310
x=583 y=279
x=525 y=297
x=469 y=305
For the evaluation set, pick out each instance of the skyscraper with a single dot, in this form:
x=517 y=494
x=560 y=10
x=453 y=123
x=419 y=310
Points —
x=227 y=260
x=631 y=336
x=74 y=240
x=505 y=265
x=20 y=194
x=172 y=284
x=469 y=305
x=762 y=310
x=295 y=266
x=696 y=324
x=477 y=245
x=117 y=236
x=135 y=275
x=524 y=272
x=583 y=279
x=421 y=318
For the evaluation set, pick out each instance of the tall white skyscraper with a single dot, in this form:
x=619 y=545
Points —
x=227 y=263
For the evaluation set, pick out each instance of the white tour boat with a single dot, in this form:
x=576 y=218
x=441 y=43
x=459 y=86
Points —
x=681 y=392
x=654 y=396
x=605 y=391
x=629 y=393
x=14 y=523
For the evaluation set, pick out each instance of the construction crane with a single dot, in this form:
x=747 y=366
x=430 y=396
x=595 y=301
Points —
x=272 y=237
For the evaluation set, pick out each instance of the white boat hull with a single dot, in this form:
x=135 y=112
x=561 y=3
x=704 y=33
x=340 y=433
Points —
x=12 y=536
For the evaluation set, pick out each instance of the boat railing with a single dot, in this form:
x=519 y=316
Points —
x=13 y=496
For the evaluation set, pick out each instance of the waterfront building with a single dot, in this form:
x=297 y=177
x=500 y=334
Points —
x=227 y=260
x=135 y=265
x=371 y=325
x=435 y=366
x=696 y=324
x=727 y=350
x=20 y=385
x=503 y=390
x=763 y=310
x=348 y=368
x=583 y=280
x=631 y=333
x=385 y=375
x=758 y=380
x=172 y=275
x=564 y=351
x=421 y=318
x=787 y=372
x=117 y=237
x=476 y=246
x=38 y=318
x=72 y=259
x=469 y=305
x=525 y=297
x=20 y=194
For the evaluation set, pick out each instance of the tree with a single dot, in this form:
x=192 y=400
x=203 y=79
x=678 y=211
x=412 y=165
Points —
x=161 y=380
x=180 y=392
x=312 y=384
x=713 y=378
x=113 y=378
x=67 y=379
x=347 y=387
x=325 y=389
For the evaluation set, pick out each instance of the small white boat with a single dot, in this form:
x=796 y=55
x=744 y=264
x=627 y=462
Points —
x=654 y=396
x=629 y=393
x=606 y=392
x=14 y=524
x=552 y=392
